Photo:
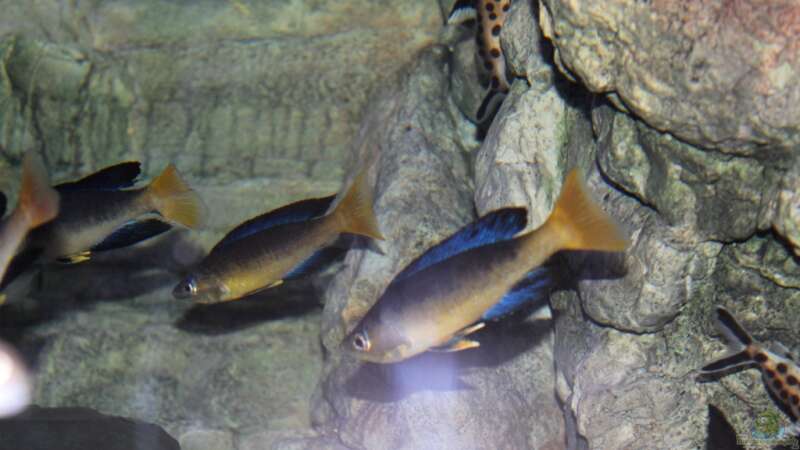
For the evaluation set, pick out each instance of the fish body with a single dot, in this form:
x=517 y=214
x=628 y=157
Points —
x=38 y=204
x=444 y=295
x=781 y=374
x=278 y=245
x=491 y=16
x=15 y=382
x=97 y=213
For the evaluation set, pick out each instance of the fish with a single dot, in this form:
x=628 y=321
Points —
x=780 y=373
x=15 y=382
x=720 y=434
x=103 y=212
x=491 y=16
x=282 y=244
x=38 y=204
x=482 y=272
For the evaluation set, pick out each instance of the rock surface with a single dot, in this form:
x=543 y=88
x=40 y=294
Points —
x=498 y=396
x=690 y=145
x=718 y=74
x=257 y=104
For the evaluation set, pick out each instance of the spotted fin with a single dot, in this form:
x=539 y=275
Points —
x=132 y=233
x=462 y=11
x=533 y=287
x=496 y=226
x=291 y=213
x=115 y=177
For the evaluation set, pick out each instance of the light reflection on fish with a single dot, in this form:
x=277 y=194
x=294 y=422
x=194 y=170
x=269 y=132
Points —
x=15 y=382
x=38 y=203
x=282 y=244
x=100 y=213
x=491 y=16
x=781 y=374
x=480 y=273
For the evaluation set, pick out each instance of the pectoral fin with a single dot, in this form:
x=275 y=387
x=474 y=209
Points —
x=458 y=343
x=76 y=258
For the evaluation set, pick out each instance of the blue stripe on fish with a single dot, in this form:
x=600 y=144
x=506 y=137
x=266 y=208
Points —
x=132 y=233
x=111 y=178
x=496 y=226
x=318 y=260
x=291 y=213
x=534 y=286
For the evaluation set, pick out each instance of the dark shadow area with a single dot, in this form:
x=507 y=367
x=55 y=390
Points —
x=117 y=275
x=291 y=299
x=441 y=371
x=719 y=432
x=574 y=266
x=78 y=429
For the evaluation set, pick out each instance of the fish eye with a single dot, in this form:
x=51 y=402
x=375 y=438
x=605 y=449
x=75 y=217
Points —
x=361 y=342
x=189 y=286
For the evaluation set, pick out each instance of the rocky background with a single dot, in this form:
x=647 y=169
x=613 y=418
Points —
x=683 y=116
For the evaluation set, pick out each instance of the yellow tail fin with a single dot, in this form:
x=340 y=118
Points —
x=175 y=200
x=581 y=223
x=354 y=213
x=37 y=200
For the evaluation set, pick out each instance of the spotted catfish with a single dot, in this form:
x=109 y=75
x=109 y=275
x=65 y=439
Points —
x=781 y=374
x=490 y=15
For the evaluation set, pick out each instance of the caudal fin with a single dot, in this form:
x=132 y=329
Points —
x=354 y=213
x=738 y=340
x=580 y=221
x=175 y=200
x=37 y=200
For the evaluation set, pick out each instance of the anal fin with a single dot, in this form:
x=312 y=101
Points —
x=76 y=258
x=456 y=345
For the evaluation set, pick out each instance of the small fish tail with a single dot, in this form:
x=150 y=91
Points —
x=738 y=340
x=354 y=213
x=581 y=223
x=37 y=199
x=175 y=200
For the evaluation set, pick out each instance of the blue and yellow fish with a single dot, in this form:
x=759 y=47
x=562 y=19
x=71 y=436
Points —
x=282 y=244
x=102 y=212
x=480 y=273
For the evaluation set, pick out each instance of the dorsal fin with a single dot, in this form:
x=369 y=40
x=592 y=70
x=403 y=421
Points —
x=114 y=177
x=496 y=226
x=291 y=213
x=534 y=286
